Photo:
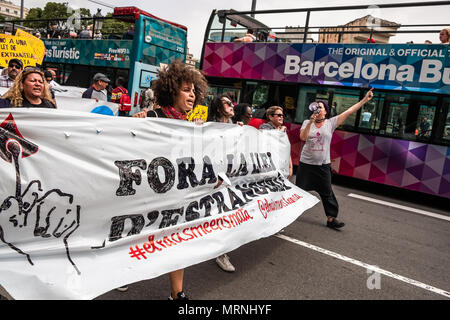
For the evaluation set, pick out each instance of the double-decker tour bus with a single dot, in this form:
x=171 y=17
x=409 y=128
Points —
x=401 y=138
x=136 y=56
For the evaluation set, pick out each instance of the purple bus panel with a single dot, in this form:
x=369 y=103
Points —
x=399 y=163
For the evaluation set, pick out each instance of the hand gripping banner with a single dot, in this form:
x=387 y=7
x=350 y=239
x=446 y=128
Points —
x=89 y=203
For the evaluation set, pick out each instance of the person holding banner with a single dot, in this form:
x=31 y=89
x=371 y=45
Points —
x=275 y=114
x=30 y=90
x=243 y=113
x=177 y=91
x=222 y=110
x=314 y=170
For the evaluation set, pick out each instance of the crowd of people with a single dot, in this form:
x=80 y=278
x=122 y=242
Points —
x=178 y=90
x=87 y=32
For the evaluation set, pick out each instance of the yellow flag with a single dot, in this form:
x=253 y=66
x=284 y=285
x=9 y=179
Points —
x=16 y=47
x=36 y=43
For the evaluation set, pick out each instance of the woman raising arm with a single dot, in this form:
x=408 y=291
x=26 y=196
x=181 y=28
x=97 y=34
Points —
x=314 y=170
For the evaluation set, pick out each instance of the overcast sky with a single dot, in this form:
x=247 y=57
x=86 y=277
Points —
x=194 y=14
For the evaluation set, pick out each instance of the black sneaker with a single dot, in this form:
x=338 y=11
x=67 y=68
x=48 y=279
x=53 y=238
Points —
x=335 y=224
x=180 y=296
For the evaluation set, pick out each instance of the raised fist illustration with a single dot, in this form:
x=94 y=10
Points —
x=38 y=214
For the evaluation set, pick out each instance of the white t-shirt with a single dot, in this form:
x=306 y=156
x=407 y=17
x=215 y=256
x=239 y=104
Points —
x=317 y=146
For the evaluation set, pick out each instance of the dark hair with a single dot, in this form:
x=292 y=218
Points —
x=170 y=80
x=48 y=74
x=121 y=81
x=215 y=110
x=240 y=110
x=327 y=108
x=19 y=62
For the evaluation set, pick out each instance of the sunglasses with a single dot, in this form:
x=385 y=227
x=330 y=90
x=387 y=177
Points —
x=279 y=115
x=15 y=66
x=229 y=103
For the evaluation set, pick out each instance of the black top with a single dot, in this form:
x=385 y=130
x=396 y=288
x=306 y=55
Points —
x=44 y=104
x=156 y=114
x=6 y=103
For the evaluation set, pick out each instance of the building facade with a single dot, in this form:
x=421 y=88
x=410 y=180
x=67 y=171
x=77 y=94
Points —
x=362 y=31
x=10 y=11
x=294 y=35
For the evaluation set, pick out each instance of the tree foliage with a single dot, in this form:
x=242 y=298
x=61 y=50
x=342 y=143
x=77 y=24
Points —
x=115 y=27
x=61 y=12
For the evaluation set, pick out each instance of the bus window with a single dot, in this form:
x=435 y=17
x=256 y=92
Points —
x=371 y=113
x=344 y=99
x=425 y=121
x=233 y=30
x=396 y=119
x=306 y=96
x=233 y=93
x=445 y=136
x=257 y=94
x=409 y=116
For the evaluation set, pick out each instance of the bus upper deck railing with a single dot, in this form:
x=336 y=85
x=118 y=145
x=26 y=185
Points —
x=223 y=24
x=107 y=27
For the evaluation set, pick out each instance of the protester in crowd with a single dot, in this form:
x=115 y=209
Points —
x=249 y=37
x=53 y=33
x=242 y=113
x=148 y=98
x=98 y=35
x=177 y=90
x=30 y=90
x=444 y=36
x=85 y=33
x=221 y=109
x=52 y=82
x=15 y=67
x=48 y=77
x=129 y=35
x=98 y=89
x=117 y=93
x=314 y=170
x=428 y=42
x=275 y=115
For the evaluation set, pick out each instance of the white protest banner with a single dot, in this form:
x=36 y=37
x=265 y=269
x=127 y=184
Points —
x=69 y=98
x=87 y=105
x=89 y=203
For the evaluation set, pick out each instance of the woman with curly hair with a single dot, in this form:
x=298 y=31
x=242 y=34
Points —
x=30 y=90
x=178 y=89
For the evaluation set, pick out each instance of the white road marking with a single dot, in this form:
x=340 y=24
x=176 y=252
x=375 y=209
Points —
x=367 y=266
x=398 y=206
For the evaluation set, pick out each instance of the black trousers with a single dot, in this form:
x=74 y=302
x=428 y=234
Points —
x=318 y=178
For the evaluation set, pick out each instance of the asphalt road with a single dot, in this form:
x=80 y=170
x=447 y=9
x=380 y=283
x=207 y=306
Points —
x=308 y=261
